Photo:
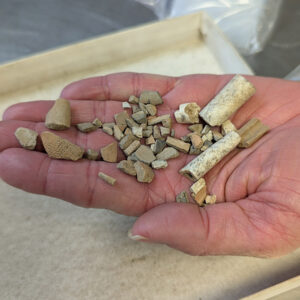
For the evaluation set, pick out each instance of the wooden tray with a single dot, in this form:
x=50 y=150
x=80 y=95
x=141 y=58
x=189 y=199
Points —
x=50 y=249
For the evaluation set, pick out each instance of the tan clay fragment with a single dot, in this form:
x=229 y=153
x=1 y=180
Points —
x=59 y=116
x=110 y=180
x=26 y=137
x=109 y=153
x=59 y=148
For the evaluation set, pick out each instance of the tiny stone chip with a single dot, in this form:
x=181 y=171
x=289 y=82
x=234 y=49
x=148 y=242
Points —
x=127 y=167
x=110 y=180
x=86 y=127
x=197 y=141
x=159 y=119
x=151 y=109
x=159 y=164
x=164 y=131
x=150 y=140
x=152 y=97
x=210 y=199
x=172 y=132
x=167 y=154
x=156 y=132
x=128 y=131
x=126 y=105
x=107 y=130
x=158 y=146
x=178 y=144
x=194 y=151
x=142 y=107
x=144 y=172
x=198 y=191
x=132 y=147
x=216 y=135
x=182 y=197
x=59 y=148
x=26 y=137
x=109 y=124
x=126 y=141
x=137 y=131
x=133 y=99
x=227 y=126
x=135 y=108
x=139 y=117
x=118 y=134
x=120 y=119
x=97 y=123
x=196 y=128
x=131 y=123
x=167 y=122
x=148 y=131
x=91 y=154
x=109 y=153
x=206 y=145
x=144 y=154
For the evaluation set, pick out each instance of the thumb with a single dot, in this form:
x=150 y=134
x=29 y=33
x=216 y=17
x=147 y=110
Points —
x=223 y=228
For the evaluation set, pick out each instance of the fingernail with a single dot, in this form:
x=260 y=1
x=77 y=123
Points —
x=136 y=237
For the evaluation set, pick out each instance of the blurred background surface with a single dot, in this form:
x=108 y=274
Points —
x=31 y=26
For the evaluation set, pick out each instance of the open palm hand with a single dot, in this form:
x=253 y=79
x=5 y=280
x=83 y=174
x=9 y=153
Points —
x=258 y=189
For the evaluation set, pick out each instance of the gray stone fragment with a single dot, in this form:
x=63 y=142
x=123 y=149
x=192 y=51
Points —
x=144 y=154
x=152 y=97
x=86 y=127
x=126 y=105
x=26 y=137
x=131 y=123
x=196 y=128
x=97 y=123
x=126 y=141
x=164 y=131
x=142 y=107
x=167 y=122
x=91 y=154
x=186 y=138
x=206 y=145
x=132 y=158
x=148 y=131
x=139 y=117
x=133 y=99
x=158 y=146
x=151 y=109
x=137 y=131
x=216 y=135
x=182 y=197
x=158 y=119
x=144 y=172
x=172 y=132
x=132 y=147
x=156 y=132
x=128 y=131
x=120 y=119
x=178 y=144
x=194 y=151
x=118 y=134
x=127 y=167
x=109 y=124
x=108 y=130
x=167 y=153
x=135 y=109
x=205 y=129
x=150 y=140
x=159 y=164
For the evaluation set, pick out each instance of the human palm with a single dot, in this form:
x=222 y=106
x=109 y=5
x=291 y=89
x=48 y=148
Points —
x=258 y=190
